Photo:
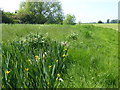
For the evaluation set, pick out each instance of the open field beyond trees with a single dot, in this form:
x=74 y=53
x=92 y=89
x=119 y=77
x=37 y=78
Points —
x=113 y=26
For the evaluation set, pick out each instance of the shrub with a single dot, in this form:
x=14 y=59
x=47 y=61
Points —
x=100 y=21
x=73 y=36
x=6 y=17
x=69 y=19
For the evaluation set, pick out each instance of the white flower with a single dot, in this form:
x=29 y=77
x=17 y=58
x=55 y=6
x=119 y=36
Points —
x=64 y=43
x=43 y=55
x=61 y=79
x=35 y=38
x=42 y=41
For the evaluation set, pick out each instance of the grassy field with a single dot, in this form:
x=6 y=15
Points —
x=113 y=26
x=92 y=60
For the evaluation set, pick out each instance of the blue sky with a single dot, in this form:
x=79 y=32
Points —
x=84 y=10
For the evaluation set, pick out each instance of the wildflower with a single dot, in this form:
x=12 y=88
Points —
x=42 y=41
x=37 y=57
x=35 y=38
x=26 y=69
x=58 y=75
x=61 y=79
x=56 y=61
x=3 y=86
x=49 y=66
x=29 y=60
x=64 y=43
x=43 y=55
x=65 y=49
x=24 y=41
x=64 y=55
x=7 y=72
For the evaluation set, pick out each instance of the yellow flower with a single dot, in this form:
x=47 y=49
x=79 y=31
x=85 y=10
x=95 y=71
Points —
x=26 y=69
x=49 y=66
x=56 y=61
x=64 y=55
x=3 y=86
x=37 y=57
x=7 y=72
x=58 y=75
x=65 y=49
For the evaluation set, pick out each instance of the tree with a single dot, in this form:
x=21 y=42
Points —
x=114 y=21
x=69 y=19
x=53 y=12
x=108 y=20
x=40 y=12
x=118 y=21
x=6 y=17
x=100 y=21
x=79 y=22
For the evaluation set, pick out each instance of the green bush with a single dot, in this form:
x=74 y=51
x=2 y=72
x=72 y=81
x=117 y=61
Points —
x=69 y=19
x=6 y=17
x=73 y=36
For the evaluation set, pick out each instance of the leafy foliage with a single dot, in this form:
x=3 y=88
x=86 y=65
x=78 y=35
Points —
x=100 y=21
x=6 y=17
x=41 y=12
x=69 y=19
x=115 y=21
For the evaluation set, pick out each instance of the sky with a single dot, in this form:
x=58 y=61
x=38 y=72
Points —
x=85 y=11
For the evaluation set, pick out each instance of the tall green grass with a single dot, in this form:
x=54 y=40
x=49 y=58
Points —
x=95 y=57
x=36 y=62
x=93 y=52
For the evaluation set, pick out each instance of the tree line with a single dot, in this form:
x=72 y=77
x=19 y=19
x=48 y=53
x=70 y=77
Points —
x=38 y=13
x=41 y=13
x=110 y=21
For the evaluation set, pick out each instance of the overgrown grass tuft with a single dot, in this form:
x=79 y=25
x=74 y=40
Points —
x=36 y=62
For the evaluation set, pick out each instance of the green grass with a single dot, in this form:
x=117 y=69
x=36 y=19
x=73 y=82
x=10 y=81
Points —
x=35 y=62
x=93 y=52
x=113 y=26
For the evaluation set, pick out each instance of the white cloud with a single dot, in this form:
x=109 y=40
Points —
x=10 y=5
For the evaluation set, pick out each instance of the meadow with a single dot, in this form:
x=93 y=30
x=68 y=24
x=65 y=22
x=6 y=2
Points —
x=113 y=26
x=59 y=56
